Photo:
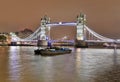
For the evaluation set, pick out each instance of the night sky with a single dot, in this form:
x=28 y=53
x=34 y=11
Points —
x=103 y=16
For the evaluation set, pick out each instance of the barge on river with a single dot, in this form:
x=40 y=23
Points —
x=52 y=51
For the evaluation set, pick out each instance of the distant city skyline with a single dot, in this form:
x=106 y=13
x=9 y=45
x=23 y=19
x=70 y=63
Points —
x=103 y=16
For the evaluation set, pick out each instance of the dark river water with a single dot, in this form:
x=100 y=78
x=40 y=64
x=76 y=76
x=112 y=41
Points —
x=19 y=64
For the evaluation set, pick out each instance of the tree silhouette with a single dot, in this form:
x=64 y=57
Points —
x=2 y=38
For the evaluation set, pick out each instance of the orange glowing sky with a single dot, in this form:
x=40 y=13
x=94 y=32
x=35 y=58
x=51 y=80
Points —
x=103 y=16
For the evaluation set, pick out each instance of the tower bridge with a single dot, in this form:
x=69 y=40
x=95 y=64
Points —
x=83 y=33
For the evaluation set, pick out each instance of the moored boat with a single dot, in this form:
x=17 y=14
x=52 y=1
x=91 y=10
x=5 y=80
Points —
x=112 y=45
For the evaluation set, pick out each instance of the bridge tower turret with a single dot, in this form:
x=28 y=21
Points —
x=80 y=30
x=44 y=34
x=81 y=21
x=44 y=21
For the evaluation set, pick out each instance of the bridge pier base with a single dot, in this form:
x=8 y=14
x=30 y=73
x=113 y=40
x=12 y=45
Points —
x=13 y=44
x=81 y=44
x=42 y=43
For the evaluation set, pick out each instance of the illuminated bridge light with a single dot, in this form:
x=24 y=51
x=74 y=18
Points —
x=60 y=22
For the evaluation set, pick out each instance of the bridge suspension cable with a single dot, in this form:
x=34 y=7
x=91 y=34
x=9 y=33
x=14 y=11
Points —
x=100 y=37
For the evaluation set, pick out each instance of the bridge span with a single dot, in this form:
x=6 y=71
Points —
x=83 y=32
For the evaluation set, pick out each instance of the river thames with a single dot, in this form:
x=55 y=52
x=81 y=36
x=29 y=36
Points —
x=19 y=64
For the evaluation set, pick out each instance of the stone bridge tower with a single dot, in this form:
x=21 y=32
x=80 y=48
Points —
x=80 y=31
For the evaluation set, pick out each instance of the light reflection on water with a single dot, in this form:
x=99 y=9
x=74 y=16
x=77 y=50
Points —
x=19 y=64
x=14 y=64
